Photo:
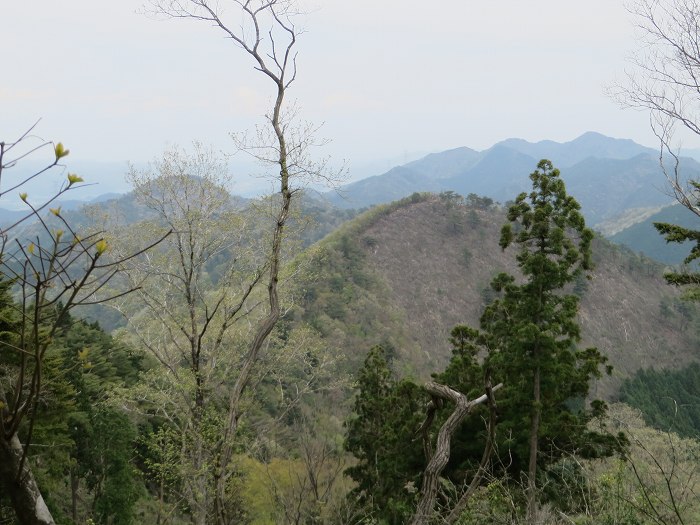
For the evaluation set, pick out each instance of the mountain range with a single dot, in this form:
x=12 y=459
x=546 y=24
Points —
x=607 y=176
x=618 y=182
x=405 y=273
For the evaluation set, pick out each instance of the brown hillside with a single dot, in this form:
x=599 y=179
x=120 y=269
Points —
x=431 y=261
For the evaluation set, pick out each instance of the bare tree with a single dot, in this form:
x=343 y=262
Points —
x=655 y=481
x=309 y=488
x=266 y=31
x=193 y=295
x=197 y=304
x=663 y=468
x=665 y=79
x=56 y=271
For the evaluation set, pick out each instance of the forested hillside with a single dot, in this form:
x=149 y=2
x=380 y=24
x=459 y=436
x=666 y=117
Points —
x=398 y=277
x=643 y=237
x=252 y=334
x=406 y=273
x=401 y=276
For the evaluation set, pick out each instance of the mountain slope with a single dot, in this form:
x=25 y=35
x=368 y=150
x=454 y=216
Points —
x=407 y=273
x=501 y=173
x=605 y=187
x=643 y=237
x=447 y=163
x=608 y=176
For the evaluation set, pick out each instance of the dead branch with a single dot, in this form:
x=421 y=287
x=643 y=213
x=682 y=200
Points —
x=439 y=459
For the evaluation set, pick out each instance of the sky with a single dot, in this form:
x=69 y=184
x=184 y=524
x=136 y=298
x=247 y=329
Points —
x=388 y=80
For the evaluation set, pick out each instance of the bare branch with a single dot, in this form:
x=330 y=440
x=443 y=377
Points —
x=438 y=461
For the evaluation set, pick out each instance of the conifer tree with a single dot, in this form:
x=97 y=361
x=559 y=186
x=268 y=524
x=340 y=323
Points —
x=531 y=331
x=386 y=415
x=674 y=233
x=528 y=337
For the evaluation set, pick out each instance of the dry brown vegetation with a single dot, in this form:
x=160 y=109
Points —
x=431 y=261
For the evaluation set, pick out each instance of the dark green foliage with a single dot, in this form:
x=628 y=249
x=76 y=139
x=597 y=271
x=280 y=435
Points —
x=529 y=334
x=76 y=436
x=464 y=373
x=102 y=436
x=642 y=237
x=674 y=233
x=381 y=436
x=111 y=474
x=9 y=335
x=565 y=486
x=475 y=201
x=668 y=399
x=451 y=199
x=339 y=271
x=532 y=329
x=488 y=295
x=98 y=439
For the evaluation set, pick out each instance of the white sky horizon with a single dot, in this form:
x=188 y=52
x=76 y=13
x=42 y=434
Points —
x=388 y=80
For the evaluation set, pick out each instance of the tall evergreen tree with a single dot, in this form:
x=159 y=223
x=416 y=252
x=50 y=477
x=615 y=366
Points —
x=529 y=336
x=380 y=435
x=531 y=331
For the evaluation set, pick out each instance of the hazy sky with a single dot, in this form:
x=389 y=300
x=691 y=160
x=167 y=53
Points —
x=388 y=78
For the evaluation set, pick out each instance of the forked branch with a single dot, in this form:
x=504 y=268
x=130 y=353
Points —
x=438 y=460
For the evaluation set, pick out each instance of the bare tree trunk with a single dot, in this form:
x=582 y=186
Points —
x=269 y=39
x=461 y=504
x=532 y=466
x=264 y=329
x=74 y=483
x=431 y=476
x=27 y=501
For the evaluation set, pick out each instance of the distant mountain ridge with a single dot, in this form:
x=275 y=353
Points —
x=590 y=144
x=8 y=217
x=606 y=175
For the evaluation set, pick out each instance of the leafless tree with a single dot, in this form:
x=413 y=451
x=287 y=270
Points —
x=267 y=32
x=665 y=79
x=193 y=292
x=310 y=488
x=664 y=470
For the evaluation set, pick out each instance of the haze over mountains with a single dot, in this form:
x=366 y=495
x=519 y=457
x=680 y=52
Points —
x=406 y=273
x=618 y=182
x=608 y=176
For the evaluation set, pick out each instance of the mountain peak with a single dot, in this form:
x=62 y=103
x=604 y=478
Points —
x=600 y=140
x=590 y=144
x=607 y=174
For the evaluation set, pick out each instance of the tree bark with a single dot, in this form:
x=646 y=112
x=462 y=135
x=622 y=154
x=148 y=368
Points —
x=431 y=476
x=461 y=504
x=532 y=467
x=74 y=484
x=26 y=498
